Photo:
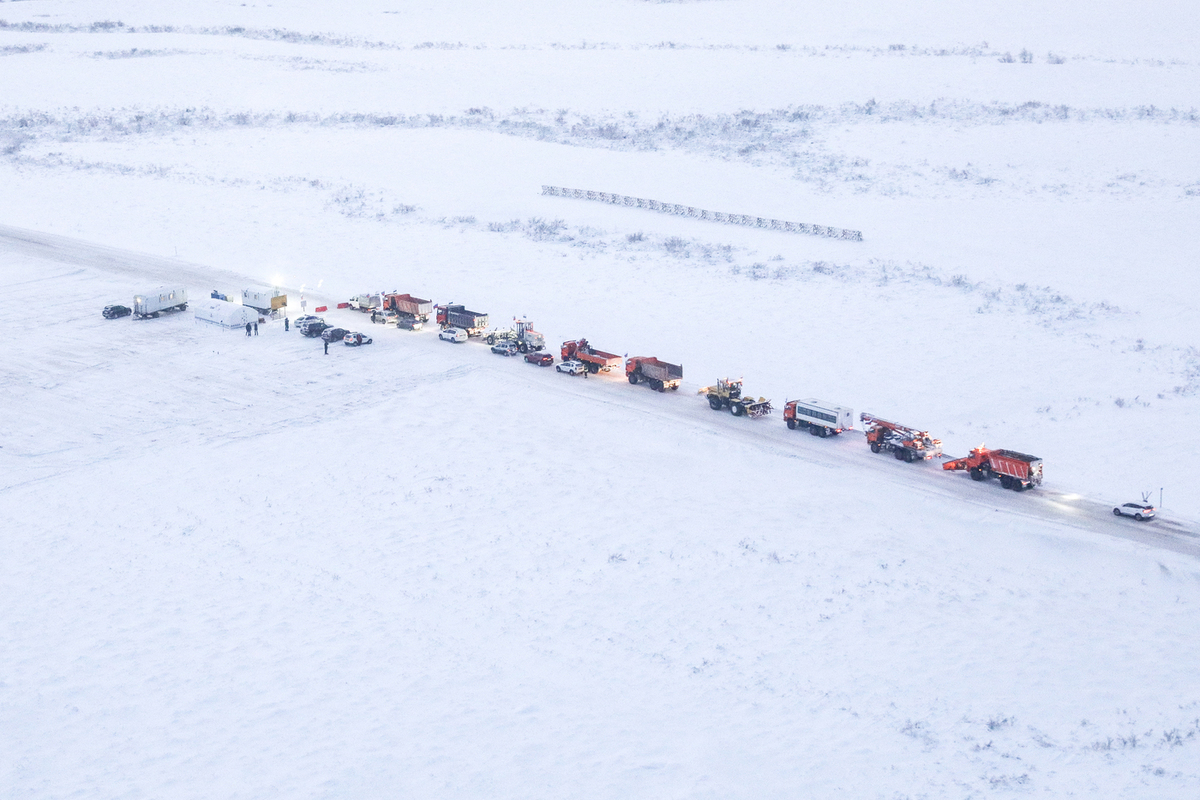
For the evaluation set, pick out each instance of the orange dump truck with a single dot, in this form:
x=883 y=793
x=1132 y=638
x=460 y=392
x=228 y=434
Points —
x=658 y=375
x=1016 y=471
x=595 y=360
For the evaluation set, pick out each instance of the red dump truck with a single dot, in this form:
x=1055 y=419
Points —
x=1017 y=471
x=405 y=305
x=594 y=360
x=457 y=316
x=657 y=374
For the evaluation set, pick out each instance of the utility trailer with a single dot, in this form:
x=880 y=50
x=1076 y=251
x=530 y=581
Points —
x=727 y=393
x=594 y=360
x=1017 y=471
x=405 y=305
x=907 y=444
x=522 y=334
x=820 y=418
x=658 y=374
x=263 y=299
x=154 y=301
x=457 y=316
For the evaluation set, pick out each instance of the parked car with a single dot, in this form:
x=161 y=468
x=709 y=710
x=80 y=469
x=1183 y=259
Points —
x=407 y=323
x=354 y=339
x=453 y=335
x=1136 y=510
x=300 y=321
x=115 y=312
x=539 y=358
x=314 y=327
x=506 y=348
x=572 y=367
x=332 y=335
x=382 y=317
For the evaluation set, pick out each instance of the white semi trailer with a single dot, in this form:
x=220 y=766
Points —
x=154 y=301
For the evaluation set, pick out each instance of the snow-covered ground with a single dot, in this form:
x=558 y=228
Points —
x=243 y=567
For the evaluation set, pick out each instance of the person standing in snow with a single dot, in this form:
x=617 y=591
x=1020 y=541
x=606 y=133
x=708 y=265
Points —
x=247 y=328
x=372 y=316
x=256 y=329
x=285 y=324
x=327 y=348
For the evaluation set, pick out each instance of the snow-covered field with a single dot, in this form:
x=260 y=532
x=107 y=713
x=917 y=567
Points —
x=241 y=567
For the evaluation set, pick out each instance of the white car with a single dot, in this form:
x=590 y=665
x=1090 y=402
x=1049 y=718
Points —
x=571 y=367
x=1136 y=510
x=354 y=339
x=453 y=335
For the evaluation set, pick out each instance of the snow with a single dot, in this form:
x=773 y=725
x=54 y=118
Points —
x=238 y=566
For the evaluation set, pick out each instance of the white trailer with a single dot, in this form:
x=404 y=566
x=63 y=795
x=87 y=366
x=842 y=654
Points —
x=821 y=418
x=264 y=299
x=154 y=301
x=224 y=314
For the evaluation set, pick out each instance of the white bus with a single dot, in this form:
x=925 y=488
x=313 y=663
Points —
x=821 y=418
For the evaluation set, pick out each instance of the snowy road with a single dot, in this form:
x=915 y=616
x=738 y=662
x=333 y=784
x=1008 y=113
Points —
x=683 y=409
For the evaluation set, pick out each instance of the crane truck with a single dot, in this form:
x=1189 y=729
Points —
x=907 y=444
x=727 y=393
x=455 y=315
x=659 y=375
x=1016 y=471
x=593 y=360
x=522 y=333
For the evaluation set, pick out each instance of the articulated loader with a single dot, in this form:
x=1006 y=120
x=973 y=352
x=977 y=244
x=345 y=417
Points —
x=727 y=393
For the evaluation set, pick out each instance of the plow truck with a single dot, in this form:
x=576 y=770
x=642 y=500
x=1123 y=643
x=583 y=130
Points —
x=456 y=315
x=659 y=375
x=907 y=444
x=408 y=307
x=821 y=418
x=1016 y=471
x=522 y=334
x=727 y=393
x=593 y=360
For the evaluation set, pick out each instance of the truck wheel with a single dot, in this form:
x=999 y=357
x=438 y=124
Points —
x=898 y=453
x=657 y=385
x=524 y=347
x=593 y=368
x=633 y=378
x=714 y=403
x=1006 y=482
x=910 y=456
x=813 y=430
x=737 y=409
x=490 y=339
x=791 y=423
x=824 y=432
x=876 y=447
x=976 y=474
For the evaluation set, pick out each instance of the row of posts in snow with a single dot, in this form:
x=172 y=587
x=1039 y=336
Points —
x=700 y=213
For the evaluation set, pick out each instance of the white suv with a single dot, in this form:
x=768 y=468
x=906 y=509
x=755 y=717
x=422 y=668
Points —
x=1135 y=510
x=453 y=335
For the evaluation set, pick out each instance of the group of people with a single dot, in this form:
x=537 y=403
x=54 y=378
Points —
x=252 y=330
x=248 y=326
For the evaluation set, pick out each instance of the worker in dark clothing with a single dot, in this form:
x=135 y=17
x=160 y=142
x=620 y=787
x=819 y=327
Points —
x=327 y=348
x=247 y=328
x=256 y=329
x=285 y=324
x=372 y=316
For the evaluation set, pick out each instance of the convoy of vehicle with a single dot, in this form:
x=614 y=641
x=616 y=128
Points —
x=1015 y=470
